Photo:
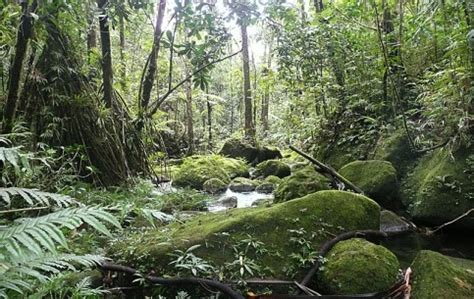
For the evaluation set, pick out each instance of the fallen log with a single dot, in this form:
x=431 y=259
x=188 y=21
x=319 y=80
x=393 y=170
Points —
x=327 y=170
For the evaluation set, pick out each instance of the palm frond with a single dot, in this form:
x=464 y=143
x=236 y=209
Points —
x=44 y=233
x=33 y=196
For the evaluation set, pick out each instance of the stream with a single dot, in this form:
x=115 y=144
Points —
x=454 y=243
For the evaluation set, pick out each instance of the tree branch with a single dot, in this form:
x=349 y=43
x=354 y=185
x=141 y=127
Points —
x=325 y=169
x=158 y=102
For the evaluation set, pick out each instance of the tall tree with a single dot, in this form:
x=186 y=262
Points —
x=247 y=92
x=107 y=71
x=25 y=31
x=147 y=83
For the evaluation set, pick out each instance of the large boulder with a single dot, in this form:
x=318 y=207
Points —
x=214 y=185
x=301 y=183
x=196 y=170
x=236 y=148
x=243 y=185
x=378 y=179
x=312 y=218
x=272 y=167
x=440 y=188
x=395 y=148
x=437 y=276
x=357 y=266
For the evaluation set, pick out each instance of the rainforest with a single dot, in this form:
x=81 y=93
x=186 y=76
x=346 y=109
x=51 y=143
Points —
x=237 y=149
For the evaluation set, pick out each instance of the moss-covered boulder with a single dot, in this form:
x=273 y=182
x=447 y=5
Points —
x=391 y=222
x=301 y=183
x=272 y=180
x=243 y=185
x=236 y=148
x=308 y=218
x=440 y=188
x=437 y=276
x=357 y=266
x=395 y=148
x=378 y=179
x=272 y=167
x=196 y=170
x=266 y=188
x=214 y=185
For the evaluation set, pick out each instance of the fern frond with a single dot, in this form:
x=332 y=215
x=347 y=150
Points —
x=36 y=234
x=38 y=267
x=14 y=156
x=33 y=196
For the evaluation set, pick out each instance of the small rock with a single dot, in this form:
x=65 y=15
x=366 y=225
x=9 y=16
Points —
x=214 y=185
x=262 y=202
x=228 y=202
x=391 y=222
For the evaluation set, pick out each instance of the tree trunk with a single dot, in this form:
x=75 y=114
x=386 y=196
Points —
x=189 y=116
x=123 y=66
x=248 y=115
x=319 y=5
x=209 y=120
x=24 y=33
x=266 y=96
x=107 y=72
x=147 y=84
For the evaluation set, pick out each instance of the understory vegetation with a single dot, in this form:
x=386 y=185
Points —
x=222 y=149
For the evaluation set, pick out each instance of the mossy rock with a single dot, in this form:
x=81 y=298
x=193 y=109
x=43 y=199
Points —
x=395 y=148
x=437 y=276
x=272 y=180
x=301 y=183
x=272 y=167
x=196 y=170
x=441 y=188
x=266 y=188
x=236 y=148
x=243 y=185
x=391 y=222
x=313 y=215
x=214 y=186
x=378 y=179
x=357 y=266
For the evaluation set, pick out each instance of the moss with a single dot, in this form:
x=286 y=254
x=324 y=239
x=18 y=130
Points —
x=272 y=167
x=315 y=215
x=357 y=266
x=243 y=185
x=300 y=183
x=272 y=180
x=395 y=148
x=436 y=276
x=378 y=179
x=196 y=170
x=440 y=188
x=214 y=186
x=236 y=148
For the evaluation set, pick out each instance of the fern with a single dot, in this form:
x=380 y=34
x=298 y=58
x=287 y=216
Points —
x=30 y=247
x=33 y=196
x=38 y=267
x=44 y=233
x=14 y=157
